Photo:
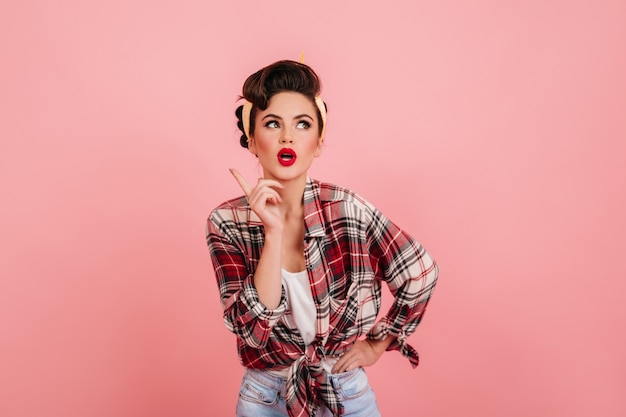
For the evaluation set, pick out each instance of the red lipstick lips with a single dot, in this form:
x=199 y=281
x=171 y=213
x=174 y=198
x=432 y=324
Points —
x=286 y=157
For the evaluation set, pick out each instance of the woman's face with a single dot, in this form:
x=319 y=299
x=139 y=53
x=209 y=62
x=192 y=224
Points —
x=286 y=136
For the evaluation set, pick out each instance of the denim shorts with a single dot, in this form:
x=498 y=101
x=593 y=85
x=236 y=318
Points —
x=263 y=395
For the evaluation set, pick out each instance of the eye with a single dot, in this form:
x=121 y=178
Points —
x=272 y=124
x=303 y=124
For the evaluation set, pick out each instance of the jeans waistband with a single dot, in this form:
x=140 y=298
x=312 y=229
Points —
x=279 y=383
x=274 y=382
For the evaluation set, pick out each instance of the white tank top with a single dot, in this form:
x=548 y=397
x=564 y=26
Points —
x=301 y=304
x=302 y=311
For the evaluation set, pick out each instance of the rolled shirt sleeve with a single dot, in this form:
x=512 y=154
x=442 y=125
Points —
x=410 y=273
x=244 y=314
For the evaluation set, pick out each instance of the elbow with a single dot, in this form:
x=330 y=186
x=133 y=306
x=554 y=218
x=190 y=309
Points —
x=253 y=333
x=431 y=275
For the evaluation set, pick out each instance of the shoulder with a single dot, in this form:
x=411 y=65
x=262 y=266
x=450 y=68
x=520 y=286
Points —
x=233 y=209
x=233 y=204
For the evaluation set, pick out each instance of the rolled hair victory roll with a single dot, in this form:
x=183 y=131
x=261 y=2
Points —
x=280 y=76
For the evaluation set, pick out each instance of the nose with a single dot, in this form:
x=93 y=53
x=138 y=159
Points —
x=286 y=138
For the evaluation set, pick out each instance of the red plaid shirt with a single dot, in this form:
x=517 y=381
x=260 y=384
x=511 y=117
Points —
x=349 y=249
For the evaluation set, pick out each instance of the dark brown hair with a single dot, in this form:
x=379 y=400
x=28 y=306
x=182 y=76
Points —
x=278 y=77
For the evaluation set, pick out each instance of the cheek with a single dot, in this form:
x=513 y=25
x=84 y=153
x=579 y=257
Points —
x=314 y=145
x=262 y=142
x=263 y=147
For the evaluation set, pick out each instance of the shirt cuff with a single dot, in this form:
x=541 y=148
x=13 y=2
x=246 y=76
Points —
x=383 y=328
x=256 y=309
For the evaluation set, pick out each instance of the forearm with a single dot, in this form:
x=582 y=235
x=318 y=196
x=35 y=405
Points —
x=364 y=352
x=381 y=345
x=267 y=277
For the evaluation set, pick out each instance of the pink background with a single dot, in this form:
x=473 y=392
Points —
x=493 y=131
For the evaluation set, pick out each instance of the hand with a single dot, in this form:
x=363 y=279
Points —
x=363 y=353
x=263 y=200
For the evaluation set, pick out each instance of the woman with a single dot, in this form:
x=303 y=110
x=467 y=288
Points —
x=299 y=264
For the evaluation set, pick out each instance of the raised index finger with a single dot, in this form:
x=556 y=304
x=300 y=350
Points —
x=242 y=182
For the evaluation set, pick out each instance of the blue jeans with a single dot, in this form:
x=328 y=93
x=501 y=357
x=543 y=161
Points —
x=263 y=395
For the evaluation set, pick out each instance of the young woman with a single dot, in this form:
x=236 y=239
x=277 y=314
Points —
x=299 y=264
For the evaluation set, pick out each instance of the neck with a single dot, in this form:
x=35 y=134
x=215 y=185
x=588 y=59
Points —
x=292 y=195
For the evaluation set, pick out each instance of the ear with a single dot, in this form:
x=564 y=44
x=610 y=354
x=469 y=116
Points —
x=318 y=150
x=252 y=146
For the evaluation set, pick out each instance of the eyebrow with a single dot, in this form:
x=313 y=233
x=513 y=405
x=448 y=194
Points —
x=275 y=116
